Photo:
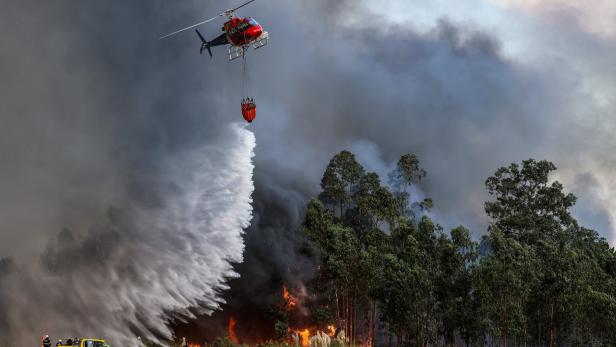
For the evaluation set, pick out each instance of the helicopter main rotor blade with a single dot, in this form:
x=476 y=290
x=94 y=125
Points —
x=246 y=3
x=227 y=12
x=192 y=26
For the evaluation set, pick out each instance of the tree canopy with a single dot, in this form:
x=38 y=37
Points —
x=387 y=271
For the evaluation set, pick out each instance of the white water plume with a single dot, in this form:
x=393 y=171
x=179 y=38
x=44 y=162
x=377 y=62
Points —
x=127 y=277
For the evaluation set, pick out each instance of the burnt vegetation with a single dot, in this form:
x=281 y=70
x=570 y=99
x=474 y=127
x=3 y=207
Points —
x=390 y=275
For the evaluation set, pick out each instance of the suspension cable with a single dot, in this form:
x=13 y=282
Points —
x=244 y=73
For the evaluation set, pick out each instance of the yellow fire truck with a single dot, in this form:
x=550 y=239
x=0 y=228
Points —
x=84 y=342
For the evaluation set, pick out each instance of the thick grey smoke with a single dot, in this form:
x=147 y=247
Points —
x=448 y=93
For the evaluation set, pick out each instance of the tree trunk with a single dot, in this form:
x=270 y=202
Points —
x=371 y=323
x=347 y=326
x=353 y=323
x=348 y=317
x=355 y=318
x=504 y=323
x=552 y=328
x=338 y=308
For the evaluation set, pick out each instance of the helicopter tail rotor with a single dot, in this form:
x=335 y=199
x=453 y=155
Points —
x=204 y=44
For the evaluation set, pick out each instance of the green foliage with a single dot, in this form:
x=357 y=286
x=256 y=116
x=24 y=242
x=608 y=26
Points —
x=323 y=316
x=547 y=270
x=457 y=306
x=275 y=344
x=341 y=176
x=375 y=203
x=226 y=342
x=281 y=329
x=527 y=207
x=374 y=254
x=542 y=279
x=503 y=286
x=408 y=171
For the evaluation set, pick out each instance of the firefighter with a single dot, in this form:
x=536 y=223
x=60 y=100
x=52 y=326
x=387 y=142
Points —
x=46 y=341
x=184 y=343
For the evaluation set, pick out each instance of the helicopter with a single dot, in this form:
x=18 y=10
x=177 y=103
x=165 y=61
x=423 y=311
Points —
x=239 y=34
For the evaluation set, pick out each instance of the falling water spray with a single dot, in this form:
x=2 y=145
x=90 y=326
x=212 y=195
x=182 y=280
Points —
x=128 y=276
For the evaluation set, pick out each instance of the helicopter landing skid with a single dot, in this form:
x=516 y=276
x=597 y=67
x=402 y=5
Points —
x=235 y=52
x=261 y=41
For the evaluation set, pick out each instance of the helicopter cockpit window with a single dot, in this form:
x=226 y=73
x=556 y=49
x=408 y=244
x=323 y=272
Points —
x=251 y=21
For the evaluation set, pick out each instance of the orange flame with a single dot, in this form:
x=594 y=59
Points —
x=194 y=345
x=232 y=335
x=289 y=299
x=304 y=336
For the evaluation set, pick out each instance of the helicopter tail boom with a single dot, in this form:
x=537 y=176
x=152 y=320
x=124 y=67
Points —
x=219 y=41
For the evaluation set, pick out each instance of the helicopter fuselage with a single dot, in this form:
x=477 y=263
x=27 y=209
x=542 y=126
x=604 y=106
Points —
x=242 y=31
